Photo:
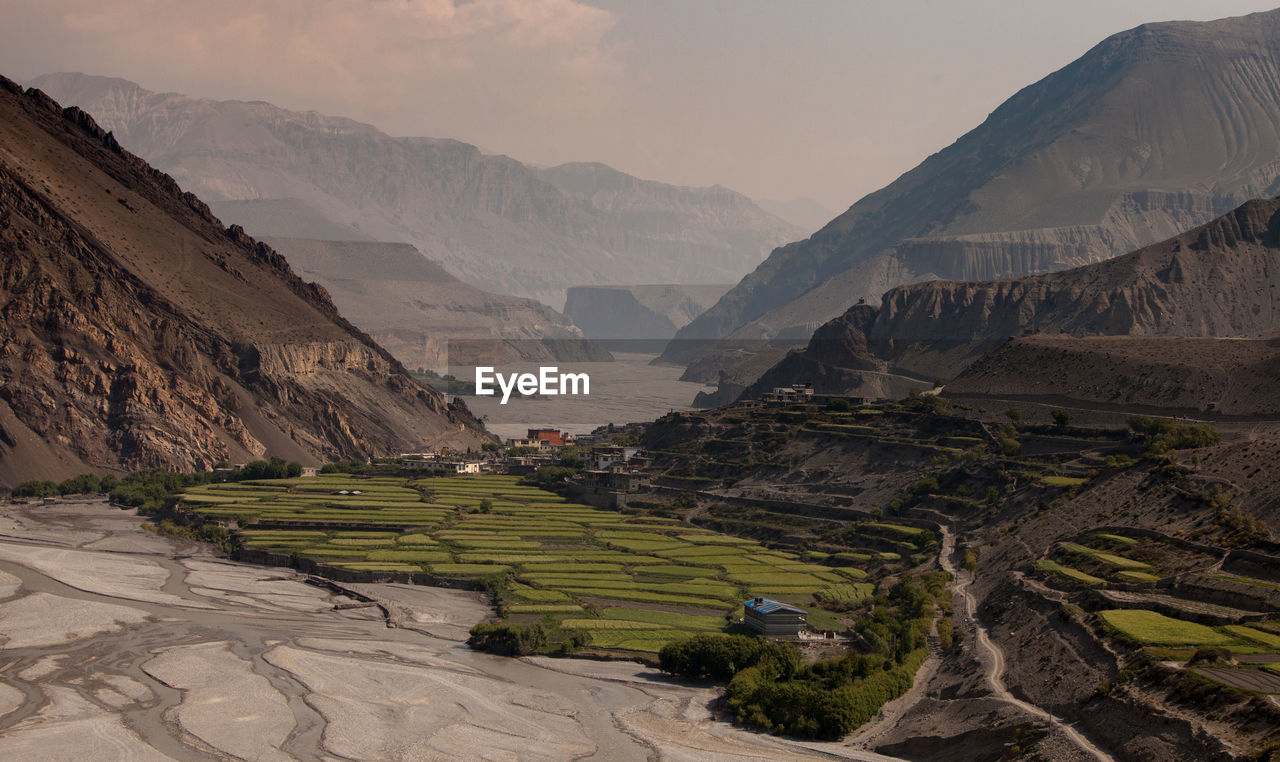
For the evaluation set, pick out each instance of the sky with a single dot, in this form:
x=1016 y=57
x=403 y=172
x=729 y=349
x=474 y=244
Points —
x=824 y=99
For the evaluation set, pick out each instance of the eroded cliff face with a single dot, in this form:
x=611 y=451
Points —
x=1221 y=279
x=1154 y=131
x=137 y=332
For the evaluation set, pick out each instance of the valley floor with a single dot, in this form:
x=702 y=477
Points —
x=123 y=644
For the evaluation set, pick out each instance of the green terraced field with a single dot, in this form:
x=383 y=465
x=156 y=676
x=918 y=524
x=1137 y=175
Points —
x=1048 y=565
x=1150 y=628
x=1062 y=481
x=1111 y=559
x=1138 y=576
x=898 y=528
x=1118 y=538
x=1268 y=639
x=670 y=619
x=637 y=572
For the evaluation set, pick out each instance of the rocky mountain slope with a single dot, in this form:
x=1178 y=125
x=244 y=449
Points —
x=421 y=314
x=1221 y=279
x=1151 y=132
x=1227 y=376
x=491 y=220
x=638 y=312
x=137 y=331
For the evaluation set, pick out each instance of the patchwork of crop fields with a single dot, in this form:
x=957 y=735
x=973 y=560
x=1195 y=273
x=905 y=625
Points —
x=631 y=582
x=1154 y=629
x=1105 y=564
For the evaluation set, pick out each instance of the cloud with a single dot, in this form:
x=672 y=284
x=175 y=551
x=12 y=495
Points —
x=420 y=66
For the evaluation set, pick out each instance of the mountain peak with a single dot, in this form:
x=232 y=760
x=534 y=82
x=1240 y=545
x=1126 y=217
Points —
x=1152 y=131
x=493 y=221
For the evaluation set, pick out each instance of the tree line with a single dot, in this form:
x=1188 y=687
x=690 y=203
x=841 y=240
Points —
x=149 y=490
x=770 y=689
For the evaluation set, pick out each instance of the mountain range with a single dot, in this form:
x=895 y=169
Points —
x=138 y=332
x=427 y=318
x=1218 y=282
x=1153 y=131
x=643 y=313
x=492 y=221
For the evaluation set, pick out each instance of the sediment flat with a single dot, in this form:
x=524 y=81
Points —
x=126 y=644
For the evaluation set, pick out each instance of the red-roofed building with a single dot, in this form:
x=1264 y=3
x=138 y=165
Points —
x=550 y=436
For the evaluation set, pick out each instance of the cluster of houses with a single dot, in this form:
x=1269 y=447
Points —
x=607 y=468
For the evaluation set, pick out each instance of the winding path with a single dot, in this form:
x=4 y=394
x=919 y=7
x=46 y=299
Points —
x=993 y=665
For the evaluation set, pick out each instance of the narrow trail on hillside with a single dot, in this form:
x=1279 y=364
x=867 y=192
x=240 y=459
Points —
x=993 y=665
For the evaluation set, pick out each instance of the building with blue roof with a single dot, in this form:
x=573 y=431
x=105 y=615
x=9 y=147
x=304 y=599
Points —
x=774 y=618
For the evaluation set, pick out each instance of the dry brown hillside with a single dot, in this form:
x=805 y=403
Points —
x=136 y=331
x=1233 y=377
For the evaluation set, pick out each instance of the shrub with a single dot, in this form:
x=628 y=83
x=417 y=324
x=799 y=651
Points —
x=926 y=485
x=507 y=639
x=36 y=489
x=1160 y=435
x=720 y=657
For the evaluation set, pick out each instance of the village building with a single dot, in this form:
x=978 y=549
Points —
x=538 y=444
x=773 y=618
x=793 y=393
x=609 y=487
x=549 y=437
x=602 y=457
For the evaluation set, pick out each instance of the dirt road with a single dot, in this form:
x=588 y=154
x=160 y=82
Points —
x=992 y=660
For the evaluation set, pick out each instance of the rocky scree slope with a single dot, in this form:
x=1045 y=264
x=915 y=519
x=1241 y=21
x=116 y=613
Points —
x=136 y=331
x=1153 y=131
x=491 y=220
x=1221 y=279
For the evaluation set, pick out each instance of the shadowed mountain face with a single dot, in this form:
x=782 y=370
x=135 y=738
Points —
x=1154 y=131
x=491 y=220
x=136 y=331
x=1221 y=279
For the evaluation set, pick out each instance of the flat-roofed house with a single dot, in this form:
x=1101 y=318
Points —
x=774 y=618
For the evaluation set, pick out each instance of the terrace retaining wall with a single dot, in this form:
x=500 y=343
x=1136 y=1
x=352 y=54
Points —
x=321 y=569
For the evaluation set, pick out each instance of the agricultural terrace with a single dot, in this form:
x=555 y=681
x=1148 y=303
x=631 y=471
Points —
x=1167 y=638
x=1109 y=558
x=630 y=582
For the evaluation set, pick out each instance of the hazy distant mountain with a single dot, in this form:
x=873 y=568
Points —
x=804 y=213
x=424 y=316
x=1216 y=281
x=1153 y=131
x=491 y=220
x=136 y=331
x=643 y=313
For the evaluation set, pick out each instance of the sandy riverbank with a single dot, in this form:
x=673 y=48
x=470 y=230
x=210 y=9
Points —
x=122 y=644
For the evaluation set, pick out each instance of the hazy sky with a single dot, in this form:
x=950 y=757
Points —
x=821 y=98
